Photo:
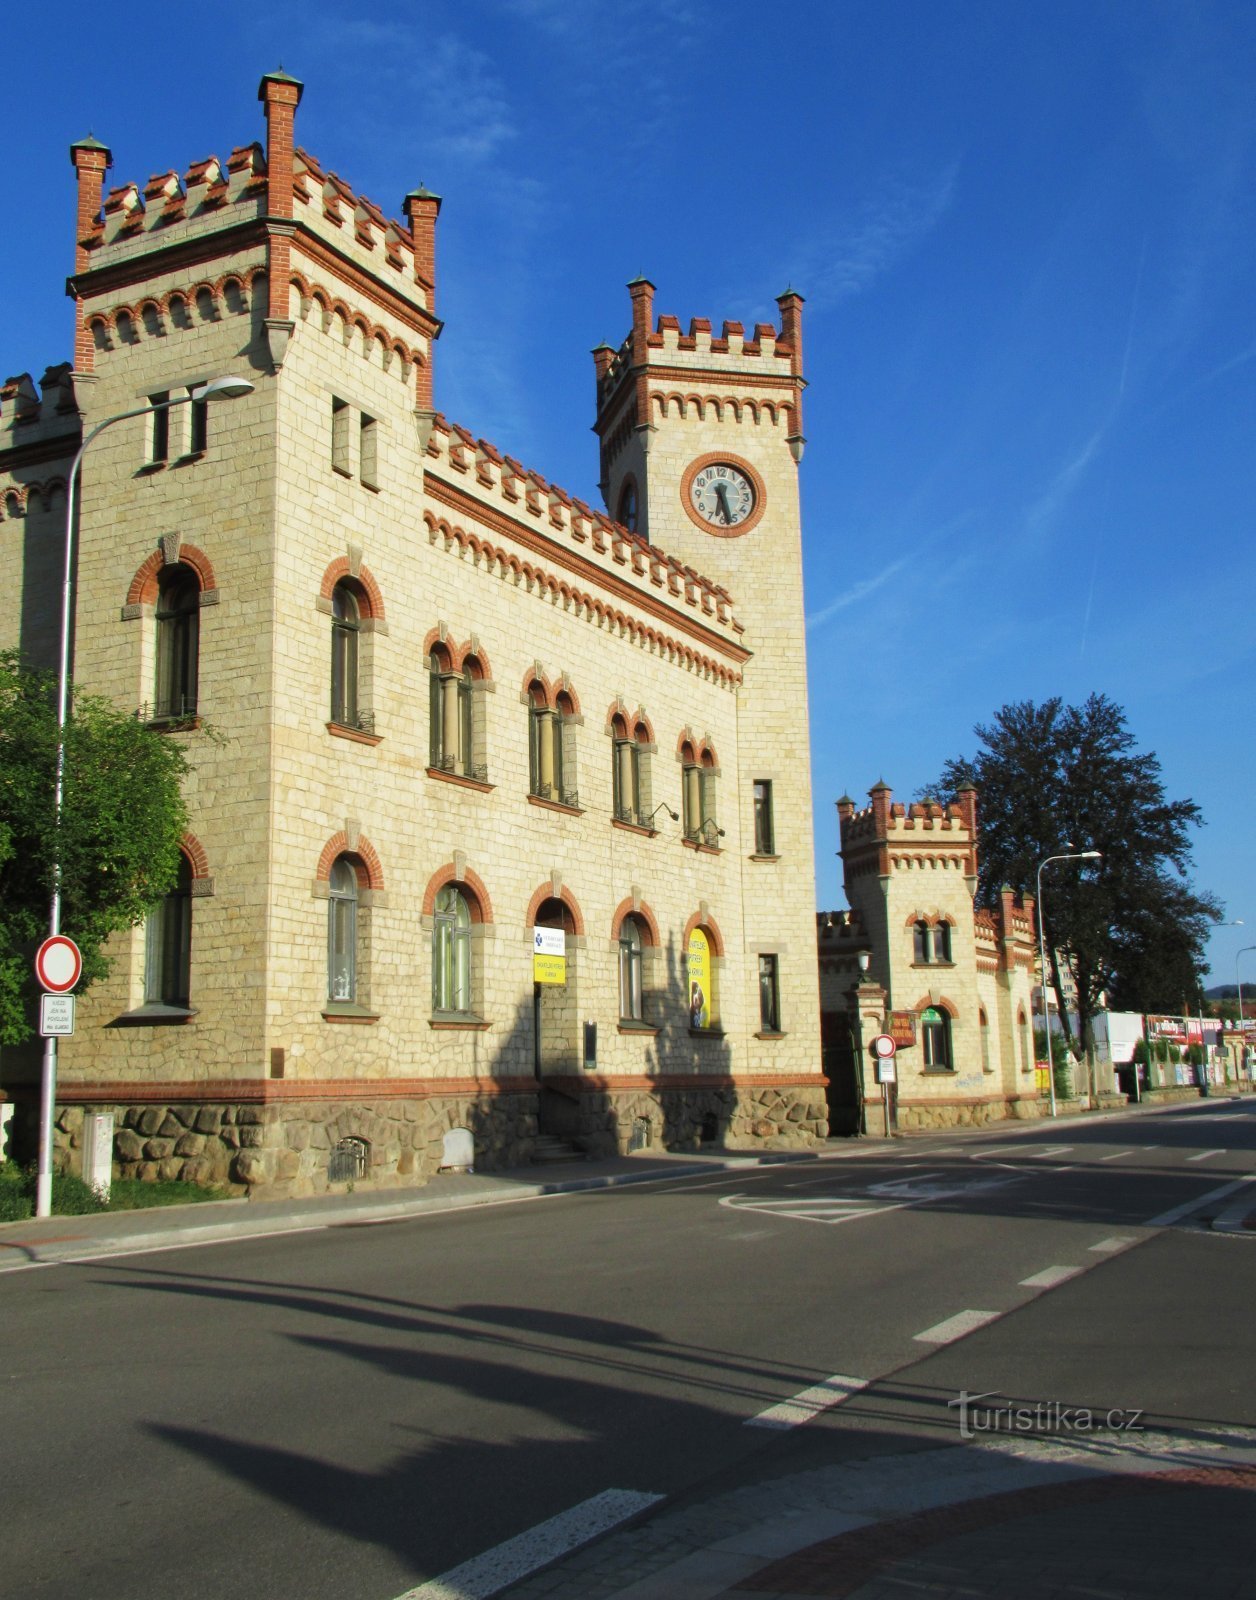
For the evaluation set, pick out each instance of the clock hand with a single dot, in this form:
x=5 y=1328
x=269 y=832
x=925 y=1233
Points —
x=721 y=494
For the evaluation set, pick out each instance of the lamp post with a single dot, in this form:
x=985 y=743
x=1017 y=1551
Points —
x=227 y=388
x=1076 y=855
x=1239 y=985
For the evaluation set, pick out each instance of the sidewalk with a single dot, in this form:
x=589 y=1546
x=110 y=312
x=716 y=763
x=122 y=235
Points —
x=61 y=1239
x=48 y=1240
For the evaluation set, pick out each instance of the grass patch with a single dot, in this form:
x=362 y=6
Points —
x=71 y=1197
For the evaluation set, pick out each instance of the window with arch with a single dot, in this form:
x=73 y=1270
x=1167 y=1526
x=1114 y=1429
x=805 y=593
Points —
x=1028 y=1062
x=698 y=773
x=627 y=513
x=456 y=715
x=346 y=633
x=168 y=945
x=342 y=932
x=451 y=952
x=984 y=1023
x=703 y=979
x=630 y=771
x=931 y=942
x=178 y=643
x=935 y=1040
x=634 y=936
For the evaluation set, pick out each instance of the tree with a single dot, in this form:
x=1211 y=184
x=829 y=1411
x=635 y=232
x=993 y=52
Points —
x=122 y=818
x=1056 y=778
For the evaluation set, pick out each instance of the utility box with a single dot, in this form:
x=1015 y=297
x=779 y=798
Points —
x=98 y=1151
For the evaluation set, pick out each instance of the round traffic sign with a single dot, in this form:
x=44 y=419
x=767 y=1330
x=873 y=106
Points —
x=58 y=964
x=883 y=1047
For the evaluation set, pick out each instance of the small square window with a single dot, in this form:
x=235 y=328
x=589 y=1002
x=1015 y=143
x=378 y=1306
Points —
x=368 y=451
x=340 y=419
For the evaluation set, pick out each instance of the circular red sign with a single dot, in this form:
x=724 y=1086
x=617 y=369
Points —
x=58 y=964
x=883 y=1046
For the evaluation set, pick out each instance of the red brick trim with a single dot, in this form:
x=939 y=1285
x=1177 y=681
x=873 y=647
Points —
x=710 y=459
x=195 y=852
x=364 y=585
x=948 y=1006
x=626 y=908
x=144 y=584
x=477 y=654
x=546 y=892
x=262 y=1091
x=547 y=688
x=710 y=927
x=365 y=861
x=589 y=571
x=480 y=905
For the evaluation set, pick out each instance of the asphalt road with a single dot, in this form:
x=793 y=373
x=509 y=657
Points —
x=355 y=1411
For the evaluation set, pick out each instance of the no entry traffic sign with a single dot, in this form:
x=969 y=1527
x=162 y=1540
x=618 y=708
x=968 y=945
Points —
x=58 y=964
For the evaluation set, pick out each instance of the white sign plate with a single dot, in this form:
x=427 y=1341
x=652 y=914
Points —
x=56 y=1016
x=549 y=942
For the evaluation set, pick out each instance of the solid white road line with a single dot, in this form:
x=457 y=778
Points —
x=1206 y=1155
x=964 y=1322
x=1166 y=1219
x=809 y=1403
x=1053 y=1150
x=497 y=1569
x=1107 y=1246
x=1049 y=1277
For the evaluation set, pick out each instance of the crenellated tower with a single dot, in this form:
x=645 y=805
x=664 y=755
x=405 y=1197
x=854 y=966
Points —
x=700 y=442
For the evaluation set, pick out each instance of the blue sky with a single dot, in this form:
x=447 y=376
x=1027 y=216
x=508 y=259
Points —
x=1025 y=234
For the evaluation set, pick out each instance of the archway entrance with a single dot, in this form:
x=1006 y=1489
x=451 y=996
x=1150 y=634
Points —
x=556 y=1030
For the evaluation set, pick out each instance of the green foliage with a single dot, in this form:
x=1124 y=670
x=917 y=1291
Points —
x=1052 y=779
x=71 y=1197
x=122 y=819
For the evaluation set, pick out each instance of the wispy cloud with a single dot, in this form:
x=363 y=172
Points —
x=859 y=591
x=847 y=260
x=1043 y=512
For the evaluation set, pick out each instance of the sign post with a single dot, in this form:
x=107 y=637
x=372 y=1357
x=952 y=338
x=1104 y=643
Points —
x=58 y=966
x=884 y=1050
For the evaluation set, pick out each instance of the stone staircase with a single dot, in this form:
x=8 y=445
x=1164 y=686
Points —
x=548 y=1148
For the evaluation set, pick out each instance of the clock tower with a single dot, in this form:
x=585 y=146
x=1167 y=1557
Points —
x=701 y=438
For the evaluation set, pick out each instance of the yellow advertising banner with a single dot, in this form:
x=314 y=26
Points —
x=698 y=960
x=549 y=969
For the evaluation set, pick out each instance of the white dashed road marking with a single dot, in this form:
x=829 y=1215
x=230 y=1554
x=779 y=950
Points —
x=1206 y=1155
x=1117 y=1155
x=1166 y=1219
x=809 y=1403
x=1049 y=1277
x=1107 y=1246
x=956 y=1327
x=497 y=1569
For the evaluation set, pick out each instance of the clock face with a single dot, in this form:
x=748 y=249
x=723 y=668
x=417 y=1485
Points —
x=722 y=495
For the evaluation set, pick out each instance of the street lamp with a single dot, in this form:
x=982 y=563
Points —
x=1077 y=855
x=226 y=388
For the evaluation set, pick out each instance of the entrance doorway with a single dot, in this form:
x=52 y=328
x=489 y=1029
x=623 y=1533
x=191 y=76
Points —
x=556 y=1031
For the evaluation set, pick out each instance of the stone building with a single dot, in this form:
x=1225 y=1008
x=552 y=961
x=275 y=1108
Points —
x=960 y=978
x=433 y=703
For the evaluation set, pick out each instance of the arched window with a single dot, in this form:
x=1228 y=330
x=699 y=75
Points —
x=1028 y=1062
x=627 y=513
x=941 y=941
x=544 y=745
x=626 y=773
x=451 y=951
x=984 y=1022
x=342 y=931
x=565 y=750
x=920 y=943
x=700 y=970
x=168 y=945
x=456 y=715
x=346 y=629
x=691 y=791
x=935 y=1039
x=631 y=988
x=178 y=642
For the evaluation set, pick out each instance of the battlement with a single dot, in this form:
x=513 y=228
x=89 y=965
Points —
x=277 y=198
x=886 y=819
x=504 y=494
x=34 y=416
